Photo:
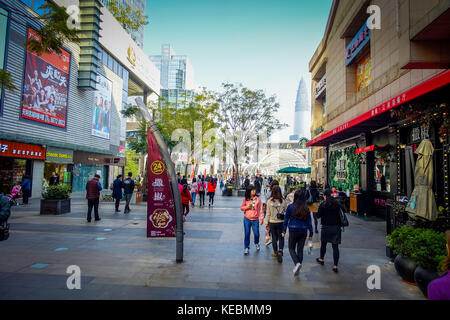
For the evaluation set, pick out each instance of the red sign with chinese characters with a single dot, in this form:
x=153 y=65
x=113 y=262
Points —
x=21 y=150
x=160 y=201
x=365 y=149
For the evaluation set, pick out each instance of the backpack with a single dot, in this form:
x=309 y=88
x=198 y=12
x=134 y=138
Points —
x=201 y=188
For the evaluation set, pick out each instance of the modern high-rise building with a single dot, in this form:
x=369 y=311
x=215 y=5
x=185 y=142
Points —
x=176 y=70
x=136 y=5
x=302 y=118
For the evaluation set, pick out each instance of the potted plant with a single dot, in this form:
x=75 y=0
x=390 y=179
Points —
x=138 y=187
x=400 y=241
x=55 y=199
x=429 y=251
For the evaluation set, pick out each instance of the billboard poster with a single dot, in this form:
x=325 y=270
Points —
x=101 y=117
x=46 y=86
x=363 y=73
x=160 y=202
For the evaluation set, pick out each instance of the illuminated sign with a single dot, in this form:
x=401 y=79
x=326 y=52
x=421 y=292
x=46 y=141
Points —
x=358 y=42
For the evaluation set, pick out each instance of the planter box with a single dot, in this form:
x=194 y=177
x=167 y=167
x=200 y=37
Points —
x=138 y=197
x=50 y=206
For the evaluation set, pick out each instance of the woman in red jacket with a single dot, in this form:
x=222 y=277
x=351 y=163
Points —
x=253 y=217
x=185 y=199
x=211 y=191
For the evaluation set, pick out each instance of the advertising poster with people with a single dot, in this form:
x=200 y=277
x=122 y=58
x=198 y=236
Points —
x=46 y=86
x=101 y=118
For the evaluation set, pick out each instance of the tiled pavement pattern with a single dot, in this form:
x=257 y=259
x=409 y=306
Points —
x=117 y=261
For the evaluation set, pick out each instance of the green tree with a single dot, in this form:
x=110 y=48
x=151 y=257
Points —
x=243 y=115
x=129 y=19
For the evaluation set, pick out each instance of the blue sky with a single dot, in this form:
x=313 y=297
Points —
x=263 y=44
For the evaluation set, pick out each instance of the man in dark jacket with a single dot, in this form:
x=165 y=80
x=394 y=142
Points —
x=117 y=191
x=128 y=187
x=93 y=188
x=26 y=189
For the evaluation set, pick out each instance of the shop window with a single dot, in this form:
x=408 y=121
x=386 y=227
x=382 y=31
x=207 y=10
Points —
x=11 y=172
x=382 y=171
x=363 y=73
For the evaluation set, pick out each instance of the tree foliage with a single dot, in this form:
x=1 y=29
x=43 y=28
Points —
x=132 y=164
x=243 y=115
x=55 y=31
x=5 y=80
x=129 y=19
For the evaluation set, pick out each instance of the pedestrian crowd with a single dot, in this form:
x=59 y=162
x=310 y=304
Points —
x=292 y=217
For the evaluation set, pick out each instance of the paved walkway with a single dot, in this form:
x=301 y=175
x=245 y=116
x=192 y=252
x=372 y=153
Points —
x=117 y=261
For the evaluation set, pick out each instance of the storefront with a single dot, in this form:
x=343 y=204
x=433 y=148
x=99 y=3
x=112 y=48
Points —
x=16 y=160
x=86 y=165
x=59 y=161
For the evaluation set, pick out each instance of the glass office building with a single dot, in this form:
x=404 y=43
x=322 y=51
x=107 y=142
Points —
x=137 y=5
x=176 y=70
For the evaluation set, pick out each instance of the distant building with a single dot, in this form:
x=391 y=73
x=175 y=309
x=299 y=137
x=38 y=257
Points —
x=302 y=118
x=136 y=5
x=176 y=70
x=179 y=97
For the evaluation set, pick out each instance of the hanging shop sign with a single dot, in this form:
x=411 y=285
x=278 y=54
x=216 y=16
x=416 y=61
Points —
x=321 y=87
x=46 y=86
x=365 y=149
x=361 y=38
x=160 y=204
x=101 y=116
x=417 y=134
x=21 y=150
x=59 y=155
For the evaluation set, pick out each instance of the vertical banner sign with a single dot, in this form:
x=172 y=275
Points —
x=160 y=201
x=101 y=117
x=46 y=86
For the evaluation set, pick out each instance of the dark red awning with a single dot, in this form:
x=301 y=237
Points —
x=376 y=117
x=365 y=149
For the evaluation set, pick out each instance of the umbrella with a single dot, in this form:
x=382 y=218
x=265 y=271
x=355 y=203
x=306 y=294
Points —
x=422 y=203
x=293 y=170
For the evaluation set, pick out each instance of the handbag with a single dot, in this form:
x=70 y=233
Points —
x=343 y=218
x=280 y=216
x=310 y=199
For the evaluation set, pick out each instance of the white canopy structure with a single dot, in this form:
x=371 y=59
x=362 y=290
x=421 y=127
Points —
x=278 y=160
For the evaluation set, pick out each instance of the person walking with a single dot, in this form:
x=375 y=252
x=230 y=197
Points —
x=265 y=185
x=26 y=189
x=201 y=192
x=314 y=206
x=185 y=199
x=93 y=188
x=183 y=181
x=258 y=186
x=211 y=192
x=128 y=188
x=246 y=182
x=194 y=190
x=298 y=219
x=329 y=215
x=276 y=208
x=252 y=207
x=117 y=191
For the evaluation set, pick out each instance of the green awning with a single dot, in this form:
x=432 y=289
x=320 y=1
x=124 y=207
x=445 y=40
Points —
x=294 y=170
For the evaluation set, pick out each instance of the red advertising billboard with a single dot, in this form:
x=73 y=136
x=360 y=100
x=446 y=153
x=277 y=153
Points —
x=21 y=150
x=160 y=201
x=46 y=86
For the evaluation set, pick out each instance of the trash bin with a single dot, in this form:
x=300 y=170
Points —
x=228 y=190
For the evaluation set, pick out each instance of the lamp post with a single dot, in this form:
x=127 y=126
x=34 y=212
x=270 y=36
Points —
x=173 y=180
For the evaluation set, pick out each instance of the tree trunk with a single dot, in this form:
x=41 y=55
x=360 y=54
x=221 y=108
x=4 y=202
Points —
x=236 y=166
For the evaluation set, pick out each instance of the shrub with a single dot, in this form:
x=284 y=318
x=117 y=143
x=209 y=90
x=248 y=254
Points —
x=429 y=248
x=58 y=192
x=400 y=241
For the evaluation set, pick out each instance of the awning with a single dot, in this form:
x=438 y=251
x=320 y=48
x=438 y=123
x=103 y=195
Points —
x=378 y=116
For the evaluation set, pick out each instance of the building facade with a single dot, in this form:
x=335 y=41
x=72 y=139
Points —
x=371 y=89
x=136 y=5
x=302 y=119
x=176 y=70
x=55 y=121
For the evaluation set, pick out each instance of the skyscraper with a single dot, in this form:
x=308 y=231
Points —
x=176 y=70
x=136 y=5
x=302 y=118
